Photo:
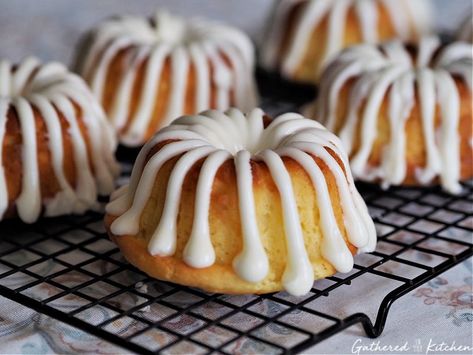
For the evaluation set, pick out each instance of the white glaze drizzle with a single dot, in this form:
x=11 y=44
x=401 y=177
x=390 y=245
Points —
x=216 y=137
x=252 y=263
x=410 y=19
x=186 y=43
x=51 y=89
x=28 y=202
x=375 y=70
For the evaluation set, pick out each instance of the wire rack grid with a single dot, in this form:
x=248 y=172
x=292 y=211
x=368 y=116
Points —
x=66 y=268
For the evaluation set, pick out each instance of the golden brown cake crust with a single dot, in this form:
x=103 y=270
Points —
x=12 y=156
x=57 y=149
x=147 y=72
x=118 y=69
x=309 y=69
x=403 y=111
x=415 y=144
x=312 y=50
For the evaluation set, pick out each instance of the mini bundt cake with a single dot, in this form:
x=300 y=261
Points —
x=147 y=72
x=403 y=112
x=465 y=32
x=306 y=34
x=241 y=204
x=56 y=146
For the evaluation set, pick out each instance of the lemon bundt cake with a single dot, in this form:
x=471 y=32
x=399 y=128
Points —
x=403 y=112
x=148 y=72
x=56 y=147
x=306 y=34
x=237 y=204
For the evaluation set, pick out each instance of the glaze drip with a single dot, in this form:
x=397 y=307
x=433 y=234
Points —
x=221 y=57
x=389 y=71
x=52 y=91
x=217 y=137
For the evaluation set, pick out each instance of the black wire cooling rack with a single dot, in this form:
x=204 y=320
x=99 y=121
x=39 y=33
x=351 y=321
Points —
x=66 y=268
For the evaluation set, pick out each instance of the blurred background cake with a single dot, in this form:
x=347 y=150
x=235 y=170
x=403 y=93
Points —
x=56 y=145
x=403 y=111
x=305 y=35
x=148 y=71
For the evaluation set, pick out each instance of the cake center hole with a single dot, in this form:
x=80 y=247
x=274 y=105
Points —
x=255 y=145
x=171 y=29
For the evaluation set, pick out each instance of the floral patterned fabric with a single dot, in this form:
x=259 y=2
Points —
x=439 y=311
